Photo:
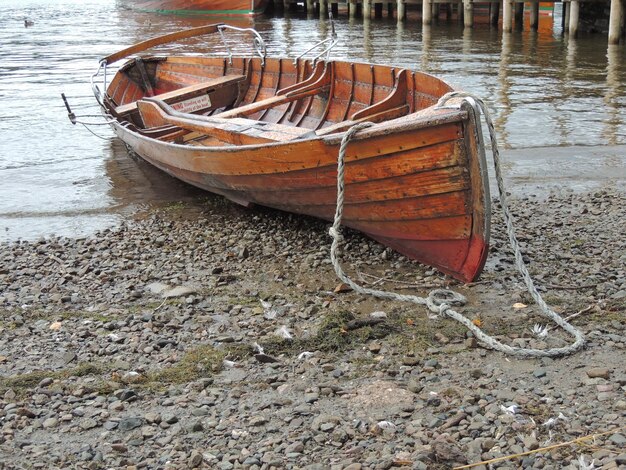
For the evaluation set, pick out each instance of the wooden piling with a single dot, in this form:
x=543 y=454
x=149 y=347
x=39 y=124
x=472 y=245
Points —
x=534 y=15
x=334 y=8
x=323 y=9
x=401 y=12
x=566 y=11
x=507 y=16
x=367 y=8
x=616 y=20
x=378 y=10
x=519 y=15
x=468 y=13
x=574 y=16
x=352 y=8
x=427 y=12
x=494 y=13
x=448 y=11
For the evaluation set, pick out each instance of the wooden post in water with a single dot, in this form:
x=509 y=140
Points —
x=574 y=15
x=367 y=8
x=534 y=15
x=566 y=11
x=468 y=13
x=616 y=20
x=519 y=16
x=352 y=8
x=507 y=16
x=334 y=7
x=401 y=10
x=323 y=9
x=427 y=12
x=494 y=13
x=378 y=10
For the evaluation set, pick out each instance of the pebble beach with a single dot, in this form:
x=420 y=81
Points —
x=205 y=335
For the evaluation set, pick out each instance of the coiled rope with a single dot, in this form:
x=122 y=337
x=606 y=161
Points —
x=440 y=301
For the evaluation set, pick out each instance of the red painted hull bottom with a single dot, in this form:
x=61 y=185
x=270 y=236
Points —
x=461 y=259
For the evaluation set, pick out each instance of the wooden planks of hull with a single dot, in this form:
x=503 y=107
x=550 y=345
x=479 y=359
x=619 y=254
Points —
x=414 y=181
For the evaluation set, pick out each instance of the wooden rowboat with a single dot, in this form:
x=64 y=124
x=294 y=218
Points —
x=267 y=131
x=201 y=7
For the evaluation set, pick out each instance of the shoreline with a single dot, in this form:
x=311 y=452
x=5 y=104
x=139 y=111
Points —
x=136 y=346
x=135 y=188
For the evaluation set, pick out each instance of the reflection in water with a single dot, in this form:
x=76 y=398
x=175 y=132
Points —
x=426 y=47
x=504 y=111
x=544 y=90
x=367 y=41
x=611 y=94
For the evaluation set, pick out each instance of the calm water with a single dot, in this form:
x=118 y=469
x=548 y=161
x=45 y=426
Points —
x=544 y=91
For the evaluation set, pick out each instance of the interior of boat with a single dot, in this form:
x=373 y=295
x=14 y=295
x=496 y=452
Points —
x=213 y=101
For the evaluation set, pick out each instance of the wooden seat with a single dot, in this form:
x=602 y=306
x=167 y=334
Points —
x=240 y=131
x=188 y=93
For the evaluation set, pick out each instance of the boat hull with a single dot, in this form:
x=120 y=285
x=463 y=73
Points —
x=203 y=7
x=415 y=181
x=425 y=211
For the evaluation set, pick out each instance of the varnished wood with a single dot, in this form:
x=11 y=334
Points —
x=414 y=180
x=160 y=40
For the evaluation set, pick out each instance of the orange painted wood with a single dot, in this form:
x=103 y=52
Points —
x=414 y=180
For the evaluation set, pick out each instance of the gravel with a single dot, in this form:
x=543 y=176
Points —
x=212 y=336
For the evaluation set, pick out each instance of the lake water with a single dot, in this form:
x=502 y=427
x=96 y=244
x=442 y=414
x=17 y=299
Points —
x=554 y=100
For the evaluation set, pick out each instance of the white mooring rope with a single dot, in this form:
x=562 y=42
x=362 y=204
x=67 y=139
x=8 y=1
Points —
x=439 y=301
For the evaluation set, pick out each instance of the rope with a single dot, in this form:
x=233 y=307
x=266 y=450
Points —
x=579 y=440
x=440 y=301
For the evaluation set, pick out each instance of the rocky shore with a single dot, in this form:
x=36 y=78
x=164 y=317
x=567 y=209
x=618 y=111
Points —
x=210 y=336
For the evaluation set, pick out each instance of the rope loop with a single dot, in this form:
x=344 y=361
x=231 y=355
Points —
x=439 y=301
x=446 y=296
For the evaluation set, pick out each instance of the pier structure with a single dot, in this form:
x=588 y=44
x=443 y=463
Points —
x=512 y=11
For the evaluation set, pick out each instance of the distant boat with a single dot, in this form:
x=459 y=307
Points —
x=28 y=23
x=201 y=7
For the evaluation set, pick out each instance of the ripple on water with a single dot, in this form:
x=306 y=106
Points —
x=543 y=89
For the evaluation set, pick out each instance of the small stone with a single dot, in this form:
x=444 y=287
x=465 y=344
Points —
x=68 y=357
x=128 y=424
x=410 y=361
x=50 y=423
x=55 y=326
x=45 y=382
x=433 y=363
x=119 y=447
x=539 y=373
x=618 y=439
x=195 y=460
x=598 y=372
x=311 y=397
x=414 y=385
x=88 y=423
x=180 y=291
x=296 y=447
